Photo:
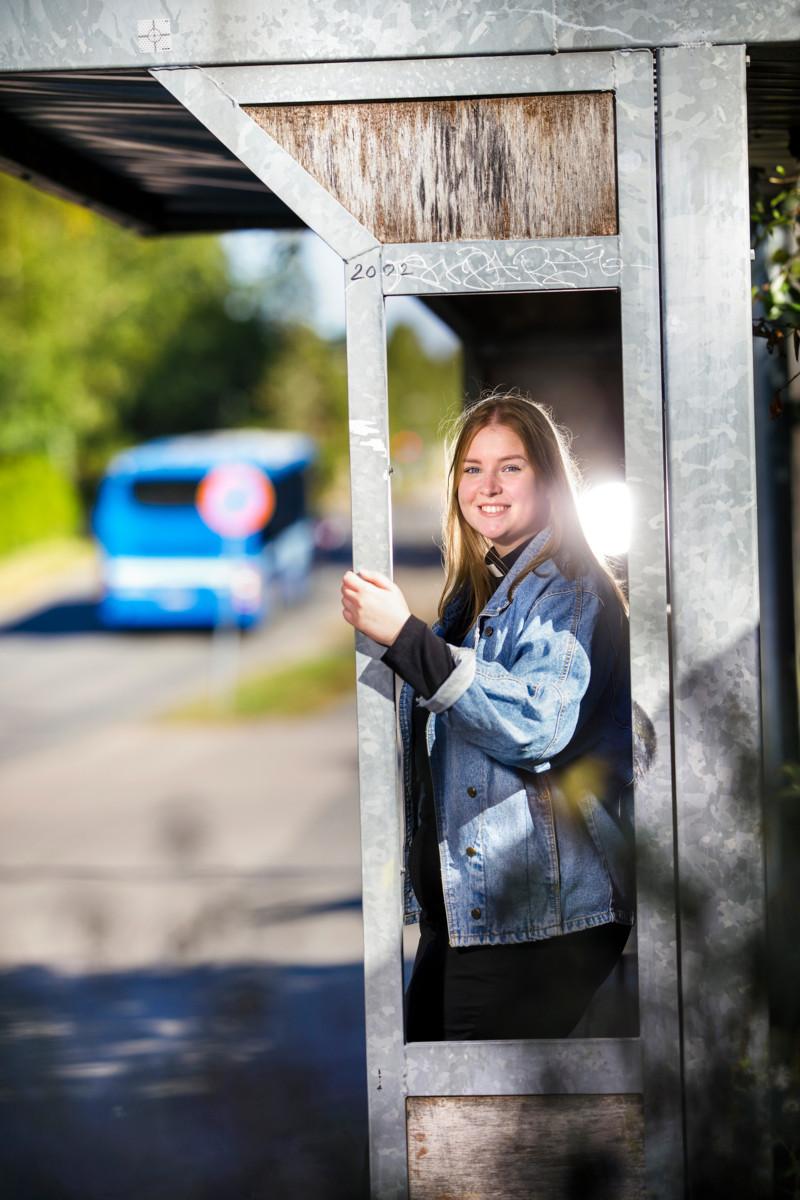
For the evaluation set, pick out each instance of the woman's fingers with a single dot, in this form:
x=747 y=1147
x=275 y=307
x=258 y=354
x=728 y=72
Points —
x=374 y=604
x=352 y=593
x=376 y=577
x=353 y=582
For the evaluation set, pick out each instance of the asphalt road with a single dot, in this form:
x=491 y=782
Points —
x=61 y=674
x=181 y=955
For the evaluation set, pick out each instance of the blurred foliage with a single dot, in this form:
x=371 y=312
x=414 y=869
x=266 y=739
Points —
x=420 y=387
x=37 y=501
x=109 y=338
x=779 y=296
x=305 y=388
x=86 y=309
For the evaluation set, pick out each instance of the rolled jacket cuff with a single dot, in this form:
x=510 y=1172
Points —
x=456 y=683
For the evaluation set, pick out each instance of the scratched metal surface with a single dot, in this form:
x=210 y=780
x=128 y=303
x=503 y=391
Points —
x=715 y=611
x=208 y=101
x=507 y=1068
x=415 y=78
x=398 y=165
x=560 y=264
x=108 y=33
x=456 y=1143
x=368 y=409
x=650 y=684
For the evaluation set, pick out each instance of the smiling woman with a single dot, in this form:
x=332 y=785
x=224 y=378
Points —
x=515 y=716
x=499 y=492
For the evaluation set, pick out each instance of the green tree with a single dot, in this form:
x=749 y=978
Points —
x=421 y=386
x=304 y=386
x=108 y=338
x=780 y=295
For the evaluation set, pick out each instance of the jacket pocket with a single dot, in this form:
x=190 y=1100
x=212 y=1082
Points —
x=615 y=844
x=540 y=803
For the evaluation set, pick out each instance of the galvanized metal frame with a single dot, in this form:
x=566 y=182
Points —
x=651 y=1063
x=107 y=34
x=421 y=269
x=711 y=457
x=215 y=108
x=415 y=79
x=512 y=1068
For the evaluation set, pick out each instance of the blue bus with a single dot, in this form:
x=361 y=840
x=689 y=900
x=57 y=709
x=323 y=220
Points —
x=163 y=565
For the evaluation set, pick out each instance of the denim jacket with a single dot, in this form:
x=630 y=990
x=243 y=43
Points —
x=530 y=746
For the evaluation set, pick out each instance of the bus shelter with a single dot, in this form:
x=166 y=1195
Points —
x=617 y=144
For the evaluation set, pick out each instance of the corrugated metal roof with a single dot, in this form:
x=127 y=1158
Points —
x=119 y=141
x=773 y=104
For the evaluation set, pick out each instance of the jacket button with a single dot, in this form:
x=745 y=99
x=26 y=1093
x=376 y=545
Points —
x=471 y=851
x=488 y=631
x=476 y=912
x=472 y=791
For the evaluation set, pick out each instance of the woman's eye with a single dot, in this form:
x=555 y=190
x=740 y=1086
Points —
x=508 y=467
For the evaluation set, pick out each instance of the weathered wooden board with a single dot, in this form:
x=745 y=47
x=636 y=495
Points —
x=546 y=1147
x=498 y=167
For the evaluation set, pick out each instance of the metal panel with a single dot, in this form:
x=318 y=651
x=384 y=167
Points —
x=420 y=269
x=510 y=1068
x=267 y=160
x=398 y=79
x=540 y=166
x=550 y=1147
x=107 y=33
x=368 y=408
x=715 y=613
x=650 y=682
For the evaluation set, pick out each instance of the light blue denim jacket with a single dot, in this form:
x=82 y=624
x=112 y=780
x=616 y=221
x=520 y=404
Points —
x=530 y=747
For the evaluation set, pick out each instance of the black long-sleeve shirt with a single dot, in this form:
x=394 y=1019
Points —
x=423 y=659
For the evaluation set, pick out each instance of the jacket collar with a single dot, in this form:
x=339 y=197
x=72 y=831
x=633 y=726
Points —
x=500 y=564
x=499 y=598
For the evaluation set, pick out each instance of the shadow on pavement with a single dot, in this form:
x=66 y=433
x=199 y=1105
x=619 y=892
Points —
x=78 y=616
x=243 y=1082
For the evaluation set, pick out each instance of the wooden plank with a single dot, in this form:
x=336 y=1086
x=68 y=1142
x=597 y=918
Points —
x=551 y=1147
x=500 y=168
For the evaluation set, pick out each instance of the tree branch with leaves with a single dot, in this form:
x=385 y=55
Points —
x=779 y=295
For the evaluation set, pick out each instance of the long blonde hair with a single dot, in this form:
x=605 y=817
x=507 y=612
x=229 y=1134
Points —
x=548 y=448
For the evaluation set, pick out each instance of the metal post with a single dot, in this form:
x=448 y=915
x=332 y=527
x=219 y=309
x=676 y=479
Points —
x=644 y=457
x=715 y=615
x=377 y=760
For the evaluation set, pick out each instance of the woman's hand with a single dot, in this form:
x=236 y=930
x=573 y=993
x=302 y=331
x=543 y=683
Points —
x=374 y=605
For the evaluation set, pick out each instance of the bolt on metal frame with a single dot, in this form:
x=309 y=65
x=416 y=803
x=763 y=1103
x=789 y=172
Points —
x=648 y=1064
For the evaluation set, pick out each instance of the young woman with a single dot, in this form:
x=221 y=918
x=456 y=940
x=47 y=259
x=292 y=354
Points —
x=515 y=716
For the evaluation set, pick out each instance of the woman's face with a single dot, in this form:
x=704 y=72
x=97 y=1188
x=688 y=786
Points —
x=498 y=491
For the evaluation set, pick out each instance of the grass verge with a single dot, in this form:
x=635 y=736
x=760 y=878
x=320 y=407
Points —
x=23 y=571
x=293 y=690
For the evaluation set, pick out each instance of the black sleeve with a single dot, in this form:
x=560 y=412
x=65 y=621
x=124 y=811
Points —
x=420 y=656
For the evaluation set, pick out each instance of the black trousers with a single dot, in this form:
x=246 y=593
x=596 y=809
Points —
x=514 y=990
